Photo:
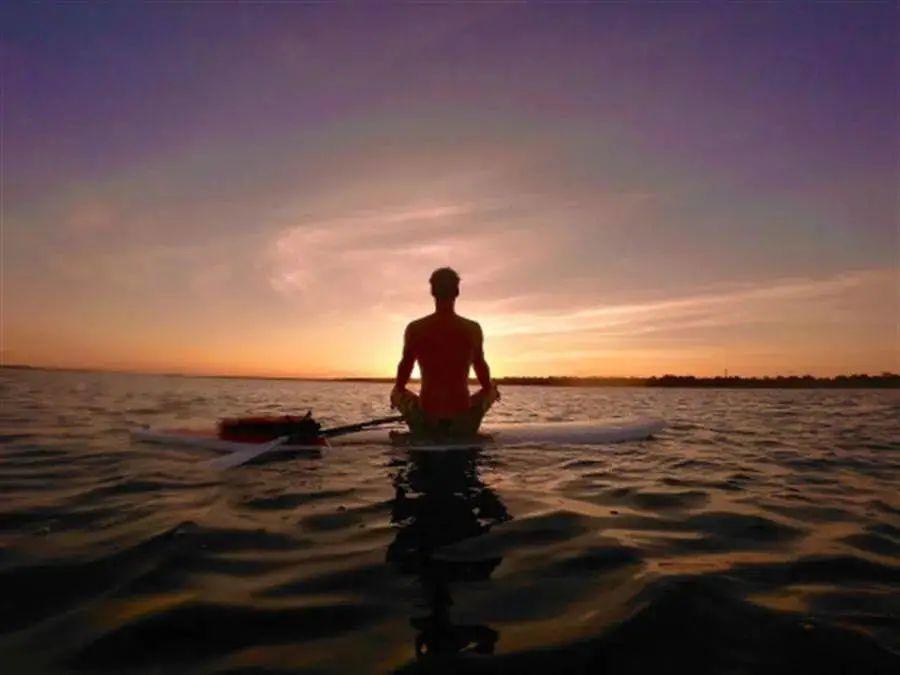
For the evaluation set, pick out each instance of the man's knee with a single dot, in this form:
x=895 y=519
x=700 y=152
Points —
x=404 y=399
x=483 y=399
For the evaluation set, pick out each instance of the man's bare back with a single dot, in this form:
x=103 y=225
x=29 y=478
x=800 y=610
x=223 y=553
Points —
x=445 y=345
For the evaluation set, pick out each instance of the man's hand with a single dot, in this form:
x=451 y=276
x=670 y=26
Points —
x=397 y=394
x=493 y=392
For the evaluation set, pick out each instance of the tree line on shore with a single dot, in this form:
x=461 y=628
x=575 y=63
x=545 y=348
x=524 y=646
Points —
x=854 y=381
x=885 y=380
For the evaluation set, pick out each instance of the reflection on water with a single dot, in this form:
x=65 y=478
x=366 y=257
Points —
x=440 y=500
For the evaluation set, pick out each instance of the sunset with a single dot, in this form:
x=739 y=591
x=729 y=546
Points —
x=624 y=191
x=449 y=337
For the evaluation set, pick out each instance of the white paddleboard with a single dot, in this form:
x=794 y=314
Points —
x=542 y=433
x=539 y=433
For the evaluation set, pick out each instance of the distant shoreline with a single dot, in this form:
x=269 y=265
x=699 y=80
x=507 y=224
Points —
x=862 y=381
x=884 y=380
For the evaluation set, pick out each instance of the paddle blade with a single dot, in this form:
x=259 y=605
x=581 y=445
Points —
x=239 y=457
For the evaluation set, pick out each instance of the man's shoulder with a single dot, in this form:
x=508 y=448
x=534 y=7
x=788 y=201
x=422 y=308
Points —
x=418 y=324
x=469 y=324
x=433 y=321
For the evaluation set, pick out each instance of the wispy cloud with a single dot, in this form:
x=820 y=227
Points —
x=370 y=258
x=716 y=307
x=803 y=322
x=376 y=263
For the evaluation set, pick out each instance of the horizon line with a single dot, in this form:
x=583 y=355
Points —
x=386 y=378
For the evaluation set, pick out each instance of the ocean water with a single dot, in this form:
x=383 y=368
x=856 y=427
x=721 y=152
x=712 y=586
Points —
x=759 y=533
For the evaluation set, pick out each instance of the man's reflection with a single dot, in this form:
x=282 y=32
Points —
x=440 y=500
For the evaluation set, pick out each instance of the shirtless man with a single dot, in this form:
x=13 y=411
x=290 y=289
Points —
x=445 y=345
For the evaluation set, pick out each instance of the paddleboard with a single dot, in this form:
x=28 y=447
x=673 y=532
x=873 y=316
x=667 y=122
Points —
x=539 y=433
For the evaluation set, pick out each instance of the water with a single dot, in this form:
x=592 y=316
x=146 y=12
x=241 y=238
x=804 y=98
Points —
x=759 y=533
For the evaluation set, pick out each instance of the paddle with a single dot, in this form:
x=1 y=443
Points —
x=255 y=450
x=359 y=426
x=239 y=457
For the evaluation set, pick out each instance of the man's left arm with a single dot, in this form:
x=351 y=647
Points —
x=479 y=364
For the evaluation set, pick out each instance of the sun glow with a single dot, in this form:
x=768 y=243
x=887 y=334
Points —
x=290 y=228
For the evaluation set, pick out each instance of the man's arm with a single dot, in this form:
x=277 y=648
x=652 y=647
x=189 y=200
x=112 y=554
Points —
x=407 y=361
x=482 y=370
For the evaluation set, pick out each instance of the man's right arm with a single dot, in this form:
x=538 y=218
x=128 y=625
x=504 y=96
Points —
x=407 y=361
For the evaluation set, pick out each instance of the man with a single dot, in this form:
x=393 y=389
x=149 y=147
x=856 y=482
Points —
x=446 y=345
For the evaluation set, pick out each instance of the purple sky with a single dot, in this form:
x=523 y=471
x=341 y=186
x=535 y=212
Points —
x=625 y=189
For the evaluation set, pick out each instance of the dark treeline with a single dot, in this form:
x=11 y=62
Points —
x=856 y=381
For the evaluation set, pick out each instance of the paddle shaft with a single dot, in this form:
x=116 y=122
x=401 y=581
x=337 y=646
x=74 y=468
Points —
x=359 y=426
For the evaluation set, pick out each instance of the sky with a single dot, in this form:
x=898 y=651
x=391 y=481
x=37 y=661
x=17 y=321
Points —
x=625 y=189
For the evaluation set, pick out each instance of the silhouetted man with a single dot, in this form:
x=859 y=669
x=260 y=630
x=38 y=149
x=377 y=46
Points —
x=446 y=345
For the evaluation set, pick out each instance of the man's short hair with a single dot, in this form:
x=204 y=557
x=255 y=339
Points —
x=444 y=283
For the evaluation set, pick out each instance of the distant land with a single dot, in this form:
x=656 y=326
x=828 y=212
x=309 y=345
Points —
x=856 y=381
x=885 y=380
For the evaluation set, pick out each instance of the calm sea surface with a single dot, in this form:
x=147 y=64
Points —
x=759 y=533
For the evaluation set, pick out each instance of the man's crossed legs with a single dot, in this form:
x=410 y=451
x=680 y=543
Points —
x=464 y=424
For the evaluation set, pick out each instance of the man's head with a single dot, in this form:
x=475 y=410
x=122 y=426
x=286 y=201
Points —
x=444 y=283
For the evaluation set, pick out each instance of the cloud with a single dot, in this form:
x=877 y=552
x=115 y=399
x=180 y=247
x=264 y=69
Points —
x=717 y=307
x=373 y=264
x=804 y=322
x=373 y=259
